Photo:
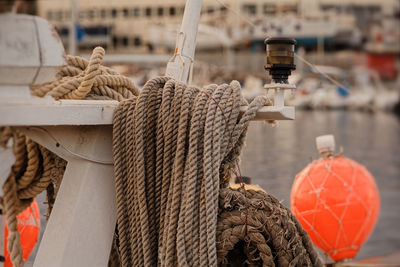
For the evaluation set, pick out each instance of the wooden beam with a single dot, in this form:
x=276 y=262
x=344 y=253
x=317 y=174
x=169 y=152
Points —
x=91 y=112
x=81 y=227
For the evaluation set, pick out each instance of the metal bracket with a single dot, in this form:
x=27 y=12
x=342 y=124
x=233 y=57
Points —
x=278 y=111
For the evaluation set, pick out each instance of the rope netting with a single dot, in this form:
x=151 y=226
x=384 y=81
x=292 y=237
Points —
x=175 y=147
x=255 y=229
x=346 y=178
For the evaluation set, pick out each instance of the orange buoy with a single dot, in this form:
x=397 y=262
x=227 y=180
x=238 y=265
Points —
x=336 y=201
x=28 y=228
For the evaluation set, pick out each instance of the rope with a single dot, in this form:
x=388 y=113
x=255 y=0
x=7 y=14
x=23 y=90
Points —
x=169 y=144
x=174 y=147
x=82 y=79
x=35 y=168
x=25 y=181
x=254 y=228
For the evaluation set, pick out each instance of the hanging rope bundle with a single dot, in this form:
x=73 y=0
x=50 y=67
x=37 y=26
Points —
x=254 y=228
x=36 y=168
x=172 y=146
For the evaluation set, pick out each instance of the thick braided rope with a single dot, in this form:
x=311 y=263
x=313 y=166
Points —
x=24 y=182
x=178 y=170
x=81 y=78
x=168 y=253
x=166 y=143
x=120 y=167
x=32 y=165
x=192 y=183
x=5 y=134
x=12 y=206
x=92 y=70
x=20 y=153
x=35 y=167
x=257 y=221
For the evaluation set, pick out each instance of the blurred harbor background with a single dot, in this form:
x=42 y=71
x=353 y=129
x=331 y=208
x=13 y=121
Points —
x=356 y=42
x=274 y=155
x=348 y=85
x=349 y=50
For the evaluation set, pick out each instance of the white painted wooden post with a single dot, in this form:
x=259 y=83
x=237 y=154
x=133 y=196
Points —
x=81 y=227
x=72 y=27
x=180 y=66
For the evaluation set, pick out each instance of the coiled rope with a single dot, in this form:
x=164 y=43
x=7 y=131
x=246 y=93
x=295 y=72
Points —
x=254 y=228
x=36 y=168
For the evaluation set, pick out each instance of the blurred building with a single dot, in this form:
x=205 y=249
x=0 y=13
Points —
x=119 y=24
x=132 y=24
x=18 y=6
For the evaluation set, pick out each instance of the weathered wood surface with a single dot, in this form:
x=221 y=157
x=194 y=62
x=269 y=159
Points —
x=30 y=50
x=81 y=227
x=36 y=112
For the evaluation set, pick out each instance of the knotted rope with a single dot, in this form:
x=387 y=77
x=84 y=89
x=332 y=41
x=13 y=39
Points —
x=254 y=228
x=35 y=168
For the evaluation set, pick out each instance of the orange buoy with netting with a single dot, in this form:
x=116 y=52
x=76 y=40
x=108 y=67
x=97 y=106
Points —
x=336 y=201
x=29 y=228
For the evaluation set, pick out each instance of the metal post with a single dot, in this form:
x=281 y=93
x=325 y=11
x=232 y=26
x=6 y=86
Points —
x=279 y=99
x=321 y=48
x=181 y=64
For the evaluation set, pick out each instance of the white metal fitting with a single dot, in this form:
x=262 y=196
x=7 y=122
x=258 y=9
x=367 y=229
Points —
x=279 y=88
x=325 y=144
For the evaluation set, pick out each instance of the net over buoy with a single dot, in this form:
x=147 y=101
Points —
x=336 y=201
x=28 y=226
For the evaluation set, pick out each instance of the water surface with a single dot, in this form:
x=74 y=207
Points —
x=274 y=155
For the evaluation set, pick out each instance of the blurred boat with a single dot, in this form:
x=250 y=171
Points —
x=308 y=24
x=383 y=48
x=362 y=90
x=307 y=31
x=208 y=37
